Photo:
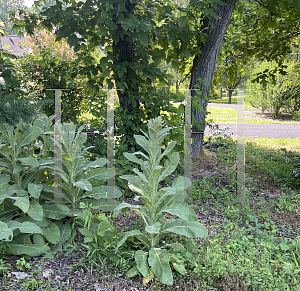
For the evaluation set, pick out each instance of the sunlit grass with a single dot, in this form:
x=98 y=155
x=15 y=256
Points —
x=227 y=115
x=290 y=144
x=224 y=100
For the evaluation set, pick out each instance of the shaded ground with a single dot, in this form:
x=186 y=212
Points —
x=66 y=272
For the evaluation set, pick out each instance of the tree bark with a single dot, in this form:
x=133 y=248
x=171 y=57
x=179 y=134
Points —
x=229 y=95
x=124 y=51
x=204 y=65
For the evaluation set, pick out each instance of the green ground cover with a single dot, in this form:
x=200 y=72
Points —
x=255 y=246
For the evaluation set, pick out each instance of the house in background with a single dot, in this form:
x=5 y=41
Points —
x=16 y=45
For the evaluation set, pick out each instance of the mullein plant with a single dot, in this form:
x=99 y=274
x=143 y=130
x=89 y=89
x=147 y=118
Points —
x=157 y=202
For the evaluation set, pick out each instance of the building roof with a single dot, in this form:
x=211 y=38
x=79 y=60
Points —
x=15 y=44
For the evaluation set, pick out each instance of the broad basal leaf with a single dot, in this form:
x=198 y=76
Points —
x=28 y=248
x=35 y=210
x=159 y=262
x=52 y=233
x=35 y=190
x=6 y=233
x=141 y=259
x=4 y=179
x=65 y=232
x=22 y=202
x=24 y=227
x=55 y=211
x=132 y=272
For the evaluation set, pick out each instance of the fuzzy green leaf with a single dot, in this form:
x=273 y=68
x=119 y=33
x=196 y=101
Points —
x=170 y=166
x=181 y=210
x=132 y=272
x=189 y=229
x=155 y=228
x=35 y=210
x=55 y=211
x=31 y=161
x=126 y=236
x=4 y=179
x=6 y=233
x=52 y=233
x=179 y=268
x=141 y=259
x=35 y=190
x=22 y=202
x=24 y=227
x=29 y=136
x=98 y=174
x=124 y=206
x=65 y=232
x=83 y=184
x=98 y=163
x=159 y=262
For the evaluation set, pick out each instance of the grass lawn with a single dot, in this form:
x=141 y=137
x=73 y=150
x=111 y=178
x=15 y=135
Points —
x=224 y=100
x=227 y=115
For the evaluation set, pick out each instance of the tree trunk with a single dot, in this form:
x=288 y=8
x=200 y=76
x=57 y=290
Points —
x=124 y=51
x=221 y=93
x=177 y=86
x=229 y=95
x=177 y=82
x=204 y=65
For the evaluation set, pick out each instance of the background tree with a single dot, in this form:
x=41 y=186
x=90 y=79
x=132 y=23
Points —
x=53 y=65
x=266 y=30
x=134 y=35
x=137 y=35
x=5 y=7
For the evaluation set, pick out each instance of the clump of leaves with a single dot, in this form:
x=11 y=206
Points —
x=156 y=262
x=297 y=170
